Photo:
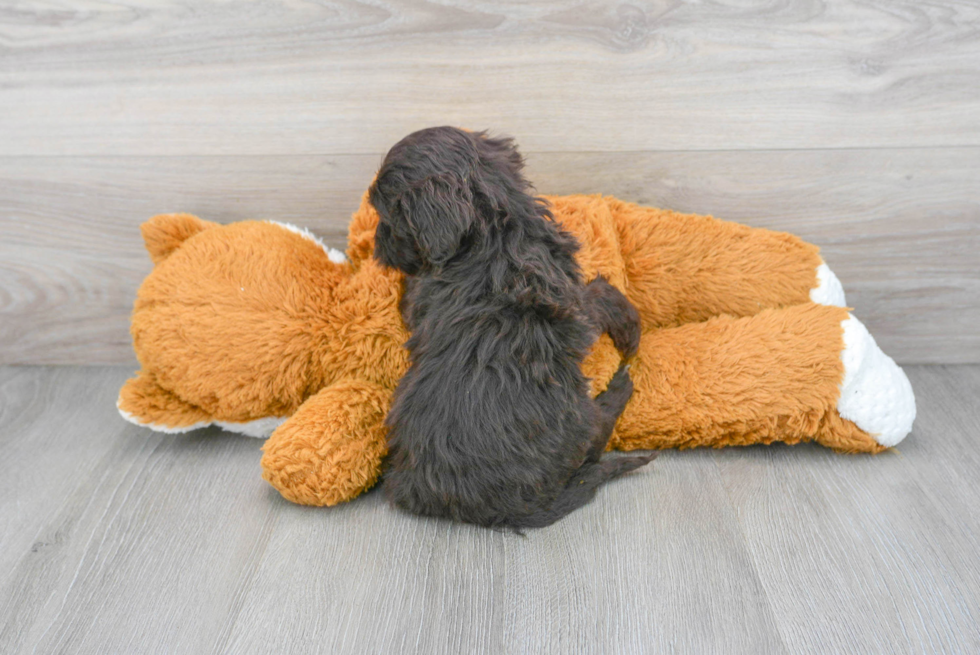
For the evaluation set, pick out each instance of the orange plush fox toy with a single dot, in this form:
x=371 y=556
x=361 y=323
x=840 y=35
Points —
x=259 y=328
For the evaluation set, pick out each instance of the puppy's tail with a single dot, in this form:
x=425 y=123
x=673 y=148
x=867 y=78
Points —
x=580 y=489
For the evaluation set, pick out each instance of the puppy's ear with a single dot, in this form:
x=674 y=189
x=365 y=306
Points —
x=498 y=173
x=439 y=211
x=499 y=152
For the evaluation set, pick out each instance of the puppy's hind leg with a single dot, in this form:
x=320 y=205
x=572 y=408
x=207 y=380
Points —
x=610 y=404
x=582 y=486
x=615 y=314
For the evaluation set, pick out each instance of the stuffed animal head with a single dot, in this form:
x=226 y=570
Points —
x=245 y=321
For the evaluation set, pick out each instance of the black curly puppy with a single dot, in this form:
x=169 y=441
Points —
x=493 y=423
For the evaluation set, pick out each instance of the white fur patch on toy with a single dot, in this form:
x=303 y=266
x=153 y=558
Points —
x=875 y=393
x=829 y=290
x=335 y=255
x=260 y=428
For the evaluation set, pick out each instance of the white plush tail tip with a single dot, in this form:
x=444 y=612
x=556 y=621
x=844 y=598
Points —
x=875 y=393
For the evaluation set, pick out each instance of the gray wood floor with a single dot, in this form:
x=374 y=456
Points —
x=115 y=539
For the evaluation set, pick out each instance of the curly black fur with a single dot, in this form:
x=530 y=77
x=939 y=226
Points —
x=493 y=423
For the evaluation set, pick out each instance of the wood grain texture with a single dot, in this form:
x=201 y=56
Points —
x=119 y=540
x=852 y=553
x=343 y=76
x=41 y=469
x=98 y=537
x=429 y=586
x=901 y=228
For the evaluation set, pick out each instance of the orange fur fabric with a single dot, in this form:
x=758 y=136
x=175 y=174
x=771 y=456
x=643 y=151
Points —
x=257 y=327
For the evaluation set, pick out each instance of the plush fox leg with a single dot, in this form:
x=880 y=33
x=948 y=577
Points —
x=330 y=450
x=143 y=402
x=685 y=268
x=808 y=372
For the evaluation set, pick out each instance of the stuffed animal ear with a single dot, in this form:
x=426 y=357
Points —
x=439 y=212
x=164 y=233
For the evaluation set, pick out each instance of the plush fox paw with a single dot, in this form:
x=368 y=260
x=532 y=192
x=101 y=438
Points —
x=875 y=393
x=829 y=290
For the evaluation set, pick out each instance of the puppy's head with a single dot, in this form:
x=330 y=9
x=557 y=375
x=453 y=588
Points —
x=434 y=188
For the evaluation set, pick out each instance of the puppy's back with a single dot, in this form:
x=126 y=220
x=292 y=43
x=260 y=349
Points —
x=488 y=424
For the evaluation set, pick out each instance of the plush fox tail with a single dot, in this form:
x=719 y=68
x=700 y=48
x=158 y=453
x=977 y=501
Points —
x=581 y=488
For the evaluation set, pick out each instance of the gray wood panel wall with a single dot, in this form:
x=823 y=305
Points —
x=853 y=124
